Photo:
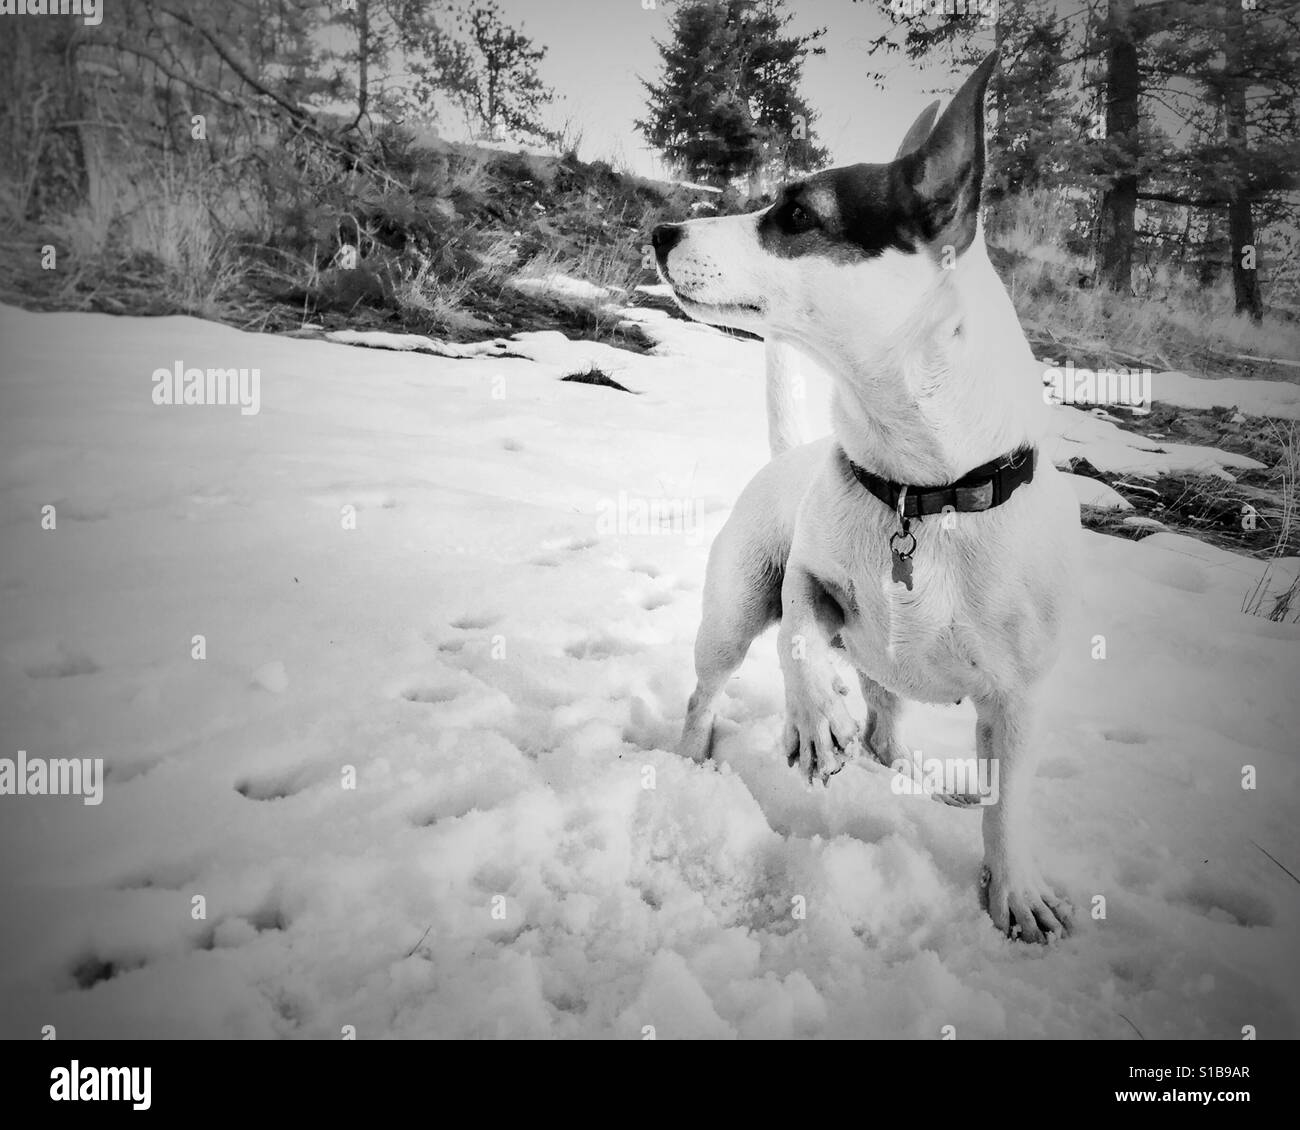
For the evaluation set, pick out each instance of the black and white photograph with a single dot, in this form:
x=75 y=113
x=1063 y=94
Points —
x=650 y=520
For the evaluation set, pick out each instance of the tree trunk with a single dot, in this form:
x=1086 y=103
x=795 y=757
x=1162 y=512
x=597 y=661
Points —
x=493 y=110
x=1000 y=87
x=1241 y=221
x=1116 y=233
x=363 y=59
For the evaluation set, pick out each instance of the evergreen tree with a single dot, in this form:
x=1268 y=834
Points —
x=1229 y=74
x=1039 y=134
x=728 y=103
x=1116 y=222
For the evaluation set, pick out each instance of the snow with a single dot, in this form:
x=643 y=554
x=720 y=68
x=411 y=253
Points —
x=565 y=286
x=382 y=339
x=1279 y=399
x=658 y=290
x=421 y=575
x=272 y=677
x=697 y=187
x=1255 y=398
x=1093 y=492
x=1112 y=450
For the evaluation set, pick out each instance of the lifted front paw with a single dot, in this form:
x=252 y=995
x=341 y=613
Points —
x=1023 y=906
x=821 y=736
x=821 y=757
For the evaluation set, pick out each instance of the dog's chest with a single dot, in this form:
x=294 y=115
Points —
x=920 y=641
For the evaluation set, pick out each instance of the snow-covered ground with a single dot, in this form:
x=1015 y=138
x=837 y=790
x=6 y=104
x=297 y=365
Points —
x=473 y=589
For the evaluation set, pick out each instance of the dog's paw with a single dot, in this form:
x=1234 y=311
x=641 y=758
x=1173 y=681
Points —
x=821 y=736
x=813 y=759
x=696 y=742
x=1022 y=905
x=886 y=750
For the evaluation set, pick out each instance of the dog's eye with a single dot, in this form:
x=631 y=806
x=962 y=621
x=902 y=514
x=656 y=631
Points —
x=801 y=219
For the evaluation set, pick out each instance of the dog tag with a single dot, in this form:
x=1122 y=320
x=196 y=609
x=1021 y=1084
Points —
x=902 y=569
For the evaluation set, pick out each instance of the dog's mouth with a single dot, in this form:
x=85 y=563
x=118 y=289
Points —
x=711 y=311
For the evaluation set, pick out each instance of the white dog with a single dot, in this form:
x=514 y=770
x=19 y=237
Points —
x=925 y=536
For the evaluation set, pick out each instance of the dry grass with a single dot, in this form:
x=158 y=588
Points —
x=447 y=301
x=1283 y=605
x=610 y=267
x=469 y=172
x=175 y=228
x=441 y=301
x=1030 y=225
x=1170 y=321
x=163 y=218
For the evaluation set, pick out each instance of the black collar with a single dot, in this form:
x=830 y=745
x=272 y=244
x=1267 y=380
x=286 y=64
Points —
x=988 y=485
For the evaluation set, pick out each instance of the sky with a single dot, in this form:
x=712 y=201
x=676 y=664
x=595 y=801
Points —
x=597 y=49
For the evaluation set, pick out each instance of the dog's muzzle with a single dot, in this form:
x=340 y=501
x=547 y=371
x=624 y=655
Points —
x=664 y=239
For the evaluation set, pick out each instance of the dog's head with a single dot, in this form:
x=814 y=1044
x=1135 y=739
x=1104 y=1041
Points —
x=857 y=248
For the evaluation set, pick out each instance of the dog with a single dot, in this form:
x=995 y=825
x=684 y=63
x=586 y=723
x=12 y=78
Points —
x=924 y=537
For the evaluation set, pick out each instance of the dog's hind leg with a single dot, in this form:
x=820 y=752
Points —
x=880 y=737
x=742 y=596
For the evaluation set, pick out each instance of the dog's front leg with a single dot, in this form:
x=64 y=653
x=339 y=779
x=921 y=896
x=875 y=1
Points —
x=1018 y=900
x=819 y=730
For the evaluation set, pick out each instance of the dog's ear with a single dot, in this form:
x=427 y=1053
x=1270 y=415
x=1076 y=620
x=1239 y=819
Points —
x=919 y=132
x=947 y=171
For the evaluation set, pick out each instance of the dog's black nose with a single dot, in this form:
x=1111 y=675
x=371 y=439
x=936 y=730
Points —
x=665 y=237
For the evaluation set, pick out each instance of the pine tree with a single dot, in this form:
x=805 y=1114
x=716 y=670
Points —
x=1242 y=111
x=1116 y=227
x=728 y=103
x=1039 y=134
